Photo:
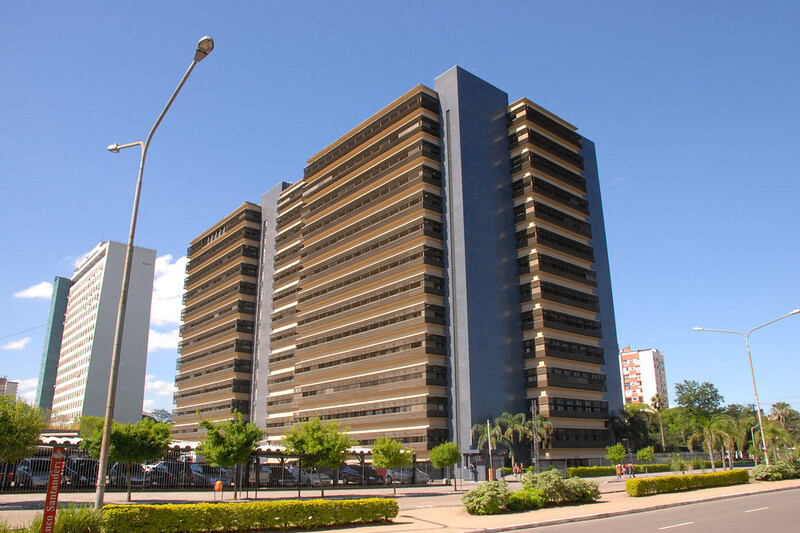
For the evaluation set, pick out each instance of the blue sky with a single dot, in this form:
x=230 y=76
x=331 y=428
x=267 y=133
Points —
x=693 y=107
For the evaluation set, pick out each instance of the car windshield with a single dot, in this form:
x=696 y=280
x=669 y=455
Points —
x=40 y=466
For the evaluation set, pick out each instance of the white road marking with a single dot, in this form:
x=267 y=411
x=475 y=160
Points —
x=676 y=525
x=759 y=509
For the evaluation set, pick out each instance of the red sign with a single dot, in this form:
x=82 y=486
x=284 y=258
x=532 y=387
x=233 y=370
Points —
x=53 y=484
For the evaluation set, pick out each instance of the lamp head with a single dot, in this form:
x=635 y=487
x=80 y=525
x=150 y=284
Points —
x=204 y=47
x=795 y=312
x=113 y=148
x=698 y=329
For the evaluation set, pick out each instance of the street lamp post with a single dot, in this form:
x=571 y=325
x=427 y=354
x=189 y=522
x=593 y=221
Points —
x=204 y=47
x=752 y=373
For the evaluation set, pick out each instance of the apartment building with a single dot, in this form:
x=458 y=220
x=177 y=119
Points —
x=217 y=331
x=643 y=375
x=8 y=388
x=76 y=362
x=443 y=262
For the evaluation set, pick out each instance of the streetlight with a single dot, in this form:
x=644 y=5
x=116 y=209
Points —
x=204 y=47
x=752 y=373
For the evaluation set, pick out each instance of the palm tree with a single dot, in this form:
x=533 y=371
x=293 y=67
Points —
x=514 y=430
x=782 y=412
x=483 y=435
x=710 y=430
x=777 y=437
x=659 y=403
x=544 y=430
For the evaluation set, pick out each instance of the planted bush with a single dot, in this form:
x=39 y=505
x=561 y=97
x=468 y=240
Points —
x=660 y=485
x=777 y=471
x=254 y=516
x=558 y=490
x=70 y=519
x=595 y=471
x=490 y=497
x=526 y=500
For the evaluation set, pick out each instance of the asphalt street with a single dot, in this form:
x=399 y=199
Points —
x=776 y=512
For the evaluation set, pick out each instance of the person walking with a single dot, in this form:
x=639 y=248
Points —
x=516 y=471
x=631 y=471
x=618 y=468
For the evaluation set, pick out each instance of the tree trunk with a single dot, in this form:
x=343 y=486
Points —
x=128 y=478
x=711 y=455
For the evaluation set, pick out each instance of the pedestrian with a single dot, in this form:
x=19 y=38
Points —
x=516 y=471
x=618 y=468
x=631 y=471
x=473 y=472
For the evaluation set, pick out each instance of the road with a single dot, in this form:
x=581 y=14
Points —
x=776 y=512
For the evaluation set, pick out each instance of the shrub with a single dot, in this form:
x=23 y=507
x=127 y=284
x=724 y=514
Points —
x=490 y=497
x=280 y=514
x=664 y=484
x=70 y=519
x=677 y=464
x=777 y=471
x=595 y=471
x=558 y=490
x=526 y=500
x=581 y=491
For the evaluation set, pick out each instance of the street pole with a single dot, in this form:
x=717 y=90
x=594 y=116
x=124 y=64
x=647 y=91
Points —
x=204 y=47
x=534 y=412
x=753 y=440
x=490 y=473
x=752 y=373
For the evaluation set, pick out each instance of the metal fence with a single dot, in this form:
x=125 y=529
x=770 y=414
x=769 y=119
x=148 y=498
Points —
x=182 y=471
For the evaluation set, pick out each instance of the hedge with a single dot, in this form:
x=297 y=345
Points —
x=664 y=484
x=594 y=471
x=254 y=516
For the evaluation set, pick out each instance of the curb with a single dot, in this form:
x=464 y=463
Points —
x=596 y=516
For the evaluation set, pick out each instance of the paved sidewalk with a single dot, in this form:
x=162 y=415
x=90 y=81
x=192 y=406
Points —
x=430 y=508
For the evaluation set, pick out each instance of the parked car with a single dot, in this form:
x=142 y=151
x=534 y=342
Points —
x=32 y=473
x=359 y=475
x=259 y=475
x=311 y=479
x=204 y=475
x=281 y=477
x=118 y=475
x=171 y=474
x=81 y=472
x=406 y=474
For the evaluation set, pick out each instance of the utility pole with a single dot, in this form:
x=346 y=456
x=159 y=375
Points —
x=490 y=473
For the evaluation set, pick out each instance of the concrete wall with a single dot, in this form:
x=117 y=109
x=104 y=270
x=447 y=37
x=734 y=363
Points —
x=613 y=394
x=266 y=270
x=483 y=298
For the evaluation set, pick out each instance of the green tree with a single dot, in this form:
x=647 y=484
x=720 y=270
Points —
x=659 y=404
x=323 y=444
x=615 y=453
x=388 y=453
x=445 y=455
x=784 y=414
x=130 y=443
x=646 y=455
x=230 y=443
x=711 y=430
x=20 y=427
x=699 y=398
x=514 y=431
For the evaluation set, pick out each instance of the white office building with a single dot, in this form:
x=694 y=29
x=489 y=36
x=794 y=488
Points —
x=89 y=325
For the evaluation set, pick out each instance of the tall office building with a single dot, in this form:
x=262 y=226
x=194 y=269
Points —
x=443 y=262
x=643 y=375
x=52 y=343
x=83 y=366
x=216 y=347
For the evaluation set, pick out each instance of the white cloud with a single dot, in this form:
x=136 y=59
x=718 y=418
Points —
x=28 y=384
x=28 y=396
x=158 y=387
x=80 y=259
x=148 y=405
x=167 y=290
x=162 y=341
x=16 y=345
x=43 y=290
